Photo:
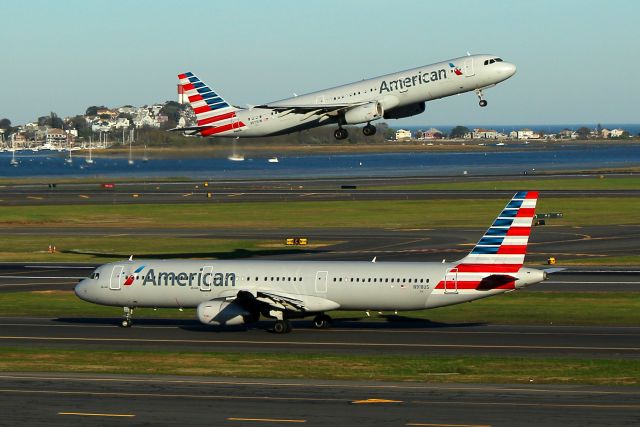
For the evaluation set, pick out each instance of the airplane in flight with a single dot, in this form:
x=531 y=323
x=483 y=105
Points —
x=392 y=96
x=238 y=292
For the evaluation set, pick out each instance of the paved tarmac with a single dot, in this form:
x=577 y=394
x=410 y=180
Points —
x=269 y=190
x=67 y=399
x=390 y=335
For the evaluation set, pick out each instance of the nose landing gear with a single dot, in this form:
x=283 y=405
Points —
x=483 y=102
x=127 y=320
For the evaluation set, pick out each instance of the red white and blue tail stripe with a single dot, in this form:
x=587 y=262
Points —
x=504 y=244
x=215 y=115
x=494 y=262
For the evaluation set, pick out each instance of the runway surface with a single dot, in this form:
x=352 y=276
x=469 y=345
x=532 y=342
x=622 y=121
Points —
x=61 y=399
x=272 y=190
x=389 y=336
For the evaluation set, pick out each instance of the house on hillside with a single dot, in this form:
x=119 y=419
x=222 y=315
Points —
x=616 y=133
x=480 y=133
x=402 y=134
x=56 y=137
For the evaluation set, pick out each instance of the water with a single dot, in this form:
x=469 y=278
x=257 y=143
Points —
x=511 y=159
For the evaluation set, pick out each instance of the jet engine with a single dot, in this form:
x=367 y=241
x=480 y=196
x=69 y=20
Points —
x=224 y=313
x=364 y=113
x=405 y=111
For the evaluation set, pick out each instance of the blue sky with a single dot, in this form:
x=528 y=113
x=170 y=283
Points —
x=577 y=61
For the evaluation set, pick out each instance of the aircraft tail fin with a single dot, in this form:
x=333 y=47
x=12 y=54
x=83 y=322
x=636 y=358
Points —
x=504 y=244
x=212 y=111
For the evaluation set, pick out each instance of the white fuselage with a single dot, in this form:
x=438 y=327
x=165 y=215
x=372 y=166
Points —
x=392 y=91
x=351 y=285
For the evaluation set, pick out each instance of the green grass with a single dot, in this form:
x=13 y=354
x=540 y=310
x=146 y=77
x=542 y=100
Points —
x=628 y=260
x=116 y=247
x=579 y=211
x=595 y=182
x=476 y=369
x=524 y=308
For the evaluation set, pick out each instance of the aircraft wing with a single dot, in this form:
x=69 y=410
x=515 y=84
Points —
x=294 y=302
x=280 y=300
x=325 y=109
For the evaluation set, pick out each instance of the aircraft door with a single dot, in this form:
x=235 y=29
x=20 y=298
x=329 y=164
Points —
x=207 y=278
x=115 y=281
x=451 y=281
x=468 y=67
x=321 y=282
x=235 y=123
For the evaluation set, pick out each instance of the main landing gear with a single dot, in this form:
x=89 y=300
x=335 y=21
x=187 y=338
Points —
x=483 y=102
x=322 y=321
x=369 y=130
x=128 y=314
x=341 y=133
x=282 y=326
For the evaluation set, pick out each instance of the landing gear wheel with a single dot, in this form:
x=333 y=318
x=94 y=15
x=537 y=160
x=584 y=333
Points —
x=322 y=321
x=369 y=130
x=282 y=327
x=483 y=103
x=128 y=314
x=341 y=133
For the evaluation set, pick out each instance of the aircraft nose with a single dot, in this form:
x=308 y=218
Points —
x=81 y=289
x=508 y=69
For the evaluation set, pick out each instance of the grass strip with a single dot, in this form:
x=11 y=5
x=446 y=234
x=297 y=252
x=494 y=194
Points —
x=517 y=308
x=451 y=369
x=34 y=248
x=594 y=182
x=578 y=211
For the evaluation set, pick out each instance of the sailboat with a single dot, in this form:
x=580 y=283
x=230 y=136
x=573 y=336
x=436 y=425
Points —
x=235 y=157
x=13 y=161
x=145 y=158
x=130 y=154
x=90 y=159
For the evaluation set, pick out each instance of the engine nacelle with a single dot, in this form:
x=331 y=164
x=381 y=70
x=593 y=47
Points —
x=364 y=113
x=405 y=111
x=223 y=313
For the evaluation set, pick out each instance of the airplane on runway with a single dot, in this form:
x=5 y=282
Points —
x=239 y=291
x=392 y=96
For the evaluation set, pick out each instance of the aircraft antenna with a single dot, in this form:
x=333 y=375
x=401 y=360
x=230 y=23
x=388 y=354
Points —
x=468 y=54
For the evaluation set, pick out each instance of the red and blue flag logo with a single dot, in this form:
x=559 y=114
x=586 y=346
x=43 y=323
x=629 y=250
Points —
x=129 y=280
x=456 y=70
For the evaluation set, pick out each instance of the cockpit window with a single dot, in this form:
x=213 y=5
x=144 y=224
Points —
x=94 y=275
x=492 y=61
